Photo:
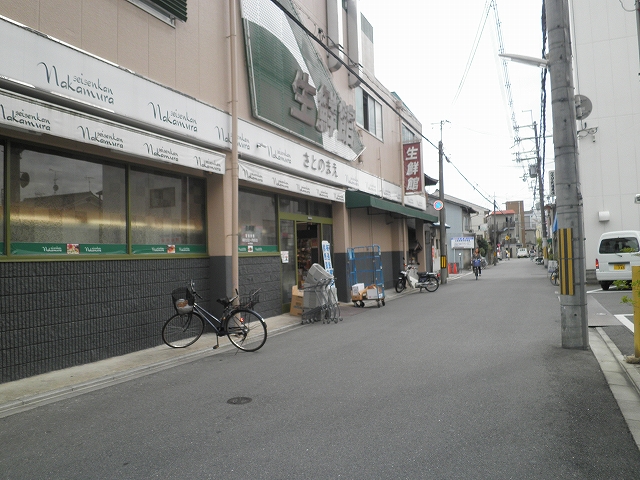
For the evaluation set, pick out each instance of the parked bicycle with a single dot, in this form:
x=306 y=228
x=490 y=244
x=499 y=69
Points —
x=244 y=327
x=554 y=276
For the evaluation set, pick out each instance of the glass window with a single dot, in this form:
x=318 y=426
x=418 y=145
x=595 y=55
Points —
x=408 y=136
x=368 y=113
x=359 y=106
x=319 y=209
x=167 y=213
x=378 y=126
x=257 y=222
x=62 y=205
x=619 y=245
x=293 y=205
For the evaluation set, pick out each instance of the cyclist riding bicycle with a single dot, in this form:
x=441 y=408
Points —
x=476 y=261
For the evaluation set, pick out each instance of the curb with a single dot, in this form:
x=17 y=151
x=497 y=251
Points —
x=32 y=401
x=623 y=379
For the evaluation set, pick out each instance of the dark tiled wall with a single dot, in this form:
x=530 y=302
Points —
x=263 y=273
x=56 y=315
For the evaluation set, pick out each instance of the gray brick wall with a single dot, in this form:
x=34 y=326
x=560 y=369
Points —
x=60 y=314
x=263 y=273
x=55 y=315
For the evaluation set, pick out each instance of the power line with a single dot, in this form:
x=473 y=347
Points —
x=476 y=42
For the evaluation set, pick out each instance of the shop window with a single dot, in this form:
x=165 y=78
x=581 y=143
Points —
x=318 y=209
x=167 y=213
x=257 y=222
x=62 y=205
x=293 y=205
x=304 y=207
x=66 y=205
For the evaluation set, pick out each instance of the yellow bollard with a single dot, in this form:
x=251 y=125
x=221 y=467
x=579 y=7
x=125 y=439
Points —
x=635 y=291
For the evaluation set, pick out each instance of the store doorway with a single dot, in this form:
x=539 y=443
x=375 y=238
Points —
x=308 y=248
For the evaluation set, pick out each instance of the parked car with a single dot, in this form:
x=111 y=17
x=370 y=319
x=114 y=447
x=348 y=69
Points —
x=522 y=253
x=617 y=253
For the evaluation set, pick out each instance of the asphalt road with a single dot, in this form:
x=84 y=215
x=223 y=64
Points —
x=467 y=382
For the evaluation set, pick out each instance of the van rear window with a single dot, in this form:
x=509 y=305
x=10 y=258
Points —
x=619 y=245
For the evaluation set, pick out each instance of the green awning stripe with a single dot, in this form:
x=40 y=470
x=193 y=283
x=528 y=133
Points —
x=363 y=200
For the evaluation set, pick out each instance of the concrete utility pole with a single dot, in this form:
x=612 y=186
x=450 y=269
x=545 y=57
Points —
x=540 y=184
x=571 y=261
x=443 y=217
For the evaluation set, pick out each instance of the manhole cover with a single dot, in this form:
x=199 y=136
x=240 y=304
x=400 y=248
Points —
x=238 y=400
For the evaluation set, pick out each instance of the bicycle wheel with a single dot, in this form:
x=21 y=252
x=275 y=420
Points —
x=400 y=285
x=475 y=271
x=182 y=330
x=432 y=284
x=554 y=278
x=246 y=329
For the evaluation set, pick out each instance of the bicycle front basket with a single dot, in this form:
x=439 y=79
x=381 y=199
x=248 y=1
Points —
x=182 y=300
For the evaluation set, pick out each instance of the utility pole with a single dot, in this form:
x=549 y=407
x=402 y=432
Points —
x=443 y=217
x=571 y=261
x=540 y=184
x=495 y=233
x=444 y=273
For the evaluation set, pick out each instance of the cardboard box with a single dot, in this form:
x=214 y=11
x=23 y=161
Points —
x=374 y=292
x=297 y=301
x=356 y=289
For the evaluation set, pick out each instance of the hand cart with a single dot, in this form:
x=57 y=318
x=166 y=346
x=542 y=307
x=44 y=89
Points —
x=365 y=274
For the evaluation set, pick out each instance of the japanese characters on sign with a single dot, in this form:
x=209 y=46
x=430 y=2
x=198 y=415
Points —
x=333 y=114
x=412 y=162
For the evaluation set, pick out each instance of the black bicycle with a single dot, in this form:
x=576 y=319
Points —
x=244 y=327
x=553 y=278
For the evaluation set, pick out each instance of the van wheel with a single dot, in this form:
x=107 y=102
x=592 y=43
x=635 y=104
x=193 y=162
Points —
x=605 y=285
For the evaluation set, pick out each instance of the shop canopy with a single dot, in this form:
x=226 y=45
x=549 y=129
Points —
x=379 y=205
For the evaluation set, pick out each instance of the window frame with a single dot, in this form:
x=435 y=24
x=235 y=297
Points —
x=6 y=255
x=369 y=114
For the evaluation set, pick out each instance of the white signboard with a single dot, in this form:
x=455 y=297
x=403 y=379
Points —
x=463 y=243
x=40 y=117
x=271 y=178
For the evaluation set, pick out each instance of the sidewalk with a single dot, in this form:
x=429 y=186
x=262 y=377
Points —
x=31 y=392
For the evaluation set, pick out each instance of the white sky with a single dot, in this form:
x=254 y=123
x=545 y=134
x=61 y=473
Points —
x=422 y=48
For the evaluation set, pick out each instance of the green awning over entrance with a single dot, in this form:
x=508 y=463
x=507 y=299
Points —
x=364 y=200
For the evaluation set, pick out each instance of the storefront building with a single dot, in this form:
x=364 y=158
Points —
x=143 y=147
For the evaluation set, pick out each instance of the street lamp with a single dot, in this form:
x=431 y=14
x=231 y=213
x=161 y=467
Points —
x=573 y=299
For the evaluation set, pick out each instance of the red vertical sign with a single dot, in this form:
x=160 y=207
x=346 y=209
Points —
x=412 y=163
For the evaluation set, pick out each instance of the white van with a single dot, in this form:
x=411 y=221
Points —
x=617 y=253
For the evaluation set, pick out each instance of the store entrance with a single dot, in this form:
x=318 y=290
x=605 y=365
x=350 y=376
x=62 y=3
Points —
x=308 y=248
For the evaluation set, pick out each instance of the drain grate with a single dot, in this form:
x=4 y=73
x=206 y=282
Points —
x=238 y=400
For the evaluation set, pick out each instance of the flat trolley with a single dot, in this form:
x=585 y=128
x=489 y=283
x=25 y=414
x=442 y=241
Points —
x=365 y=275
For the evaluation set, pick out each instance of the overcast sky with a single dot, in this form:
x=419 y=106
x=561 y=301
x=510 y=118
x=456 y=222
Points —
x=422 y=49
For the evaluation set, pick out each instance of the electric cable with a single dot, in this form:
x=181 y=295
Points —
x=476 y=42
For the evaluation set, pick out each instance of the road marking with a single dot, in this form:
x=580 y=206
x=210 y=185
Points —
x=625 y=321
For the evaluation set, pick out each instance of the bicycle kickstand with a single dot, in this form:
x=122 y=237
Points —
x=217 y=342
